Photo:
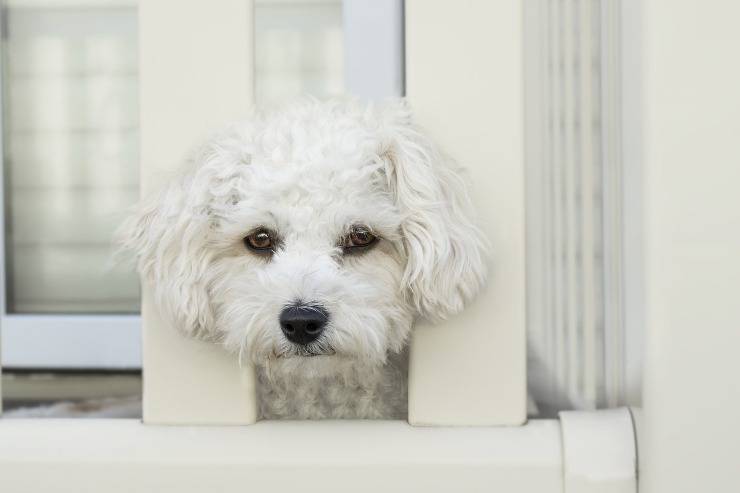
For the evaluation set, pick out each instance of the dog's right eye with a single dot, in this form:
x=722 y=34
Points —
x=358 y=240
x=260 y=240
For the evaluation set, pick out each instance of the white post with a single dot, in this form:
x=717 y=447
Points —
x=464 y=78
x=692 y=165
x=196 y=61
x=599 y=451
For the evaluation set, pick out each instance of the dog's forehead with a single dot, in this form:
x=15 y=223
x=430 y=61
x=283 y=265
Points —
x=326 y=194
x=310 y=133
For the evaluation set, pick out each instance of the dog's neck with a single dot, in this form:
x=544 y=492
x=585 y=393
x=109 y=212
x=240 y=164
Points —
x=333 y=388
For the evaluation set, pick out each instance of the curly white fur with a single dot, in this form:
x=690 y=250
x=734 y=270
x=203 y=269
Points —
x=309 y=172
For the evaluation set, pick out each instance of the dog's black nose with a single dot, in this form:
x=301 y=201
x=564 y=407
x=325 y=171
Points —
x=303 y=324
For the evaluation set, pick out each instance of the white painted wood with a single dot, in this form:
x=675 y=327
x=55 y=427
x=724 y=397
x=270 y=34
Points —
x=196 y=66
x=71 y=341
x=599 y=451
x=464 y=79
x=327 y=456
x=373 y=48
x=692 y=216
x=584 y=452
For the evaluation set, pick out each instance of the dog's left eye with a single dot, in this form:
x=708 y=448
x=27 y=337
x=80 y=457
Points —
x=260 y=241
x=359 y=238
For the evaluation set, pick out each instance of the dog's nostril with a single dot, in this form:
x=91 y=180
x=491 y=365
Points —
x=303 y=324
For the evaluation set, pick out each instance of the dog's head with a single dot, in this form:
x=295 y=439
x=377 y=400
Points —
x=321 y=230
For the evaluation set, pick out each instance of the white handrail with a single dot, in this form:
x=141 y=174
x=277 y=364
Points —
x=326 y=456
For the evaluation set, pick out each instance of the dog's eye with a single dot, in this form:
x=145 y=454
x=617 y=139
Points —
x=358 y=239
x=260 y=241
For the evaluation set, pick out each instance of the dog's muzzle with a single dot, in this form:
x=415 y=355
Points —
x=303 y=324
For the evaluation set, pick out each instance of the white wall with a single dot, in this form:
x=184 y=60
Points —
x=692 y=165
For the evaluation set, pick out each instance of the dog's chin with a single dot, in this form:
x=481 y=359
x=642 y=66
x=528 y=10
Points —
x=313 y=365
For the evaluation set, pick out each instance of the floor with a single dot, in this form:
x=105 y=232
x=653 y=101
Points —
x=110 y=407
x=71 y=394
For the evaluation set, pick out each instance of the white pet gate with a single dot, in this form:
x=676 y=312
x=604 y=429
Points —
x=467 y=430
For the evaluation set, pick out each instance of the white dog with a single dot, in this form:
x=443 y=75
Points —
x=308 y=239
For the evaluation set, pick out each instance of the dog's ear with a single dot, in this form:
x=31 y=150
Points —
x=446 y=251
x=169 y=232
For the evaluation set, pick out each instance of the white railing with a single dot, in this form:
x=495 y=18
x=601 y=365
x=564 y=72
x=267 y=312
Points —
x=455 y=379
x=192 y=84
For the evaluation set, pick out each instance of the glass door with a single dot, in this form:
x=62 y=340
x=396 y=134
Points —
x=70 y=170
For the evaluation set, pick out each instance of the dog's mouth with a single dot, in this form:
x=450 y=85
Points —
x=304 y=352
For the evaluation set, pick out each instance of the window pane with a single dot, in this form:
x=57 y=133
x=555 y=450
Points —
x=70 y=154
x=298 y=49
